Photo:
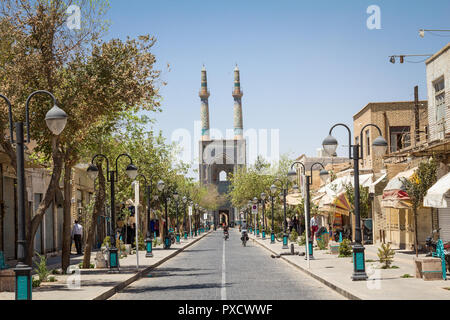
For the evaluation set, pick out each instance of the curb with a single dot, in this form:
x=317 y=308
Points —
x=339 y=290
x=119 y=287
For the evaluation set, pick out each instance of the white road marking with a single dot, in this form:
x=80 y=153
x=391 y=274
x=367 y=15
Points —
x=223 y=291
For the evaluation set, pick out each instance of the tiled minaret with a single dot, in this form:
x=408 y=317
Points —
x=204 y=112
x=237 y=95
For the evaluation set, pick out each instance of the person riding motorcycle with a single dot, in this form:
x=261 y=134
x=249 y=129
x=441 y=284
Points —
x=225 y=232
x=244 y=233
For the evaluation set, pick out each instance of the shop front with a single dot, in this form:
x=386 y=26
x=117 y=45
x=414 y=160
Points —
x=399 y=215
x=438 y=196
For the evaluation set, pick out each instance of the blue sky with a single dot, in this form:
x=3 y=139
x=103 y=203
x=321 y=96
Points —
x=305 y=65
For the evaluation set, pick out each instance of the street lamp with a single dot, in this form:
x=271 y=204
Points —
x=263 y=202
x=148 y=191
x=284 y=189
x=249 y=209
x=176 y=197
x=273 y=190
x=112 y=178
x=195 y=219
x=380 y=145
x=255 y=203
x=309 y=181
x=185 y=201
x=56 y=120
x=163 y=190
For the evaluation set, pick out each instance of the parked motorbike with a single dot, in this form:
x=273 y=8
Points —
x=431 y=246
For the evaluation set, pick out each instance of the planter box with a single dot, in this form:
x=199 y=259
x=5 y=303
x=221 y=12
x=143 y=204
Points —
x=334 y=248
x=428 y=269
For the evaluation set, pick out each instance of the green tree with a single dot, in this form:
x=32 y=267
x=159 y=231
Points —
x=417 y=187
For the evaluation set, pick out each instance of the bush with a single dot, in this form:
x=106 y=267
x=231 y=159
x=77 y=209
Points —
x=156 y=242
x=51 y=279
x=386 y=255
x=107 y=242
x=321 y=244
x=41 y=269
x=345 y=249
x=36 y=283
x=293 y=236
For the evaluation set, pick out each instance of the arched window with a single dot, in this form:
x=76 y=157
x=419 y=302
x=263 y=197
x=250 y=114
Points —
x=223 y=176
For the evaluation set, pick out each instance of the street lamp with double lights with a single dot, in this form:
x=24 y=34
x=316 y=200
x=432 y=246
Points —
x=379 y=145
x=56 y=120
x=112 y=178
x=309 y=180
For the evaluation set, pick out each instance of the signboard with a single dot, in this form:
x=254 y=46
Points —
x=190 y=210
x=255 y=209
x=205 y=216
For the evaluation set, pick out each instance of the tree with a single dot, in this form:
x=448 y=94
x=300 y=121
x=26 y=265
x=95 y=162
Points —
x=417 y=187
x=364 y=197
x=88 y=77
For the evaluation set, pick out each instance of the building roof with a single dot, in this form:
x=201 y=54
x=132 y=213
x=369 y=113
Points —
x=422 y=103
x=437 y=54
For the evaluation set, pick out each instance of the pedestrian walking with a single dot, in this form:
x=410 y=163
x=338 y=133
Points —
x=77 y=233
x=314 y=227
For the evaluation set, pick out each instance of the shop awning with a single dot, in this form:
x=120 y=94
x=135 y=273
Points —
x=438 y=196
x=395 y=195
x=373 y=185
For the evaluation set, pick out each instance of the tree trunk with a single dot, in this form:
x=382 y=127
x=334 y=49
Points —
x=48 y=199
x=67 y=220
x=99 y=207
x=416 y=242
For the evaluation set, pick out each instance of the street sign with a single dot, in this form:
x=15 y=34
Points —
x=190 y=210
x=255 y=209
x=205 y=216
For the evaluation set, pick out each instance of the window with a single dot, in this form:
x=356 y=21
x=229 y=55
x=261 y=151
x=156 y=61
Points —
x=368 y=142
x=439 y=92
x=400 y=138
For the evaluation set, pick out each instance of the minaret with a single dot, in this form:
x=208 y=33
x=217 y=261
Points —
x=237 y=95
x=204 y=112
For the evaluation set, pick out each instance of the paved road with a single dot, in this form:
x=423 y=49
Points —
x=215 y=269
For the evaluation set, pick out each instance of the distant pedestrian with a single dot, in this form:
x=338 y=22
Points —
x=314 y=227
x=77 y=233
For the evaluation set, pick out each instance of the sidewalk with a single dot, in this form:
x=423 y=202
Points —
x=382 y=284
x=98 y=284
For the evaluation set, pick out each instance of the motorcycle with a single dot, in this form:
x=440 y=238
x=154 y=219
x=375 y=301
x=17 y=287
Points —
x=244 y=238
x=431 y=246
x=226 y=235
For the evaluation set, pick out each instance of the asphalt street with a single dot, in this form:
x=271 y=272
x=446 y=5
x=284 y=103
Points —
x=214 y=269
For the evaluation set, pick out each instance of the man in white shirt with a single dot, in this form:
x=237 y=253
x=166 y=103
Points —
x=77 y=233
x=314 y=227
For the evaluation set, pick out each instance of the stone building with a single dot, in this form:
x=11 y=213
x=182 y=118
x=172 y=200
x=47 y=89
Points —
x=221 y=157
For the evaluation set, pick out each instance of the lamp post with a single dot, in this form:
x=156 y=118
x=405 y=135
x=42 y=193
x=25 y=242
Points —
x=255 y=203
x=195 y=219
x=112 y=178
x=272 y=231
x=379 y=145
x=177 y=234
x=163 y=190
x=249 y=221
x=56 y=120
x=185 y=201
x=308 y=182
x=284 y=189
x=263 y=202
x=148 y=239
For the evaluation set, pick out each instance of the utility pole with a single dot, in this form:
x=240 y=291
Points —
x=416 y=115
